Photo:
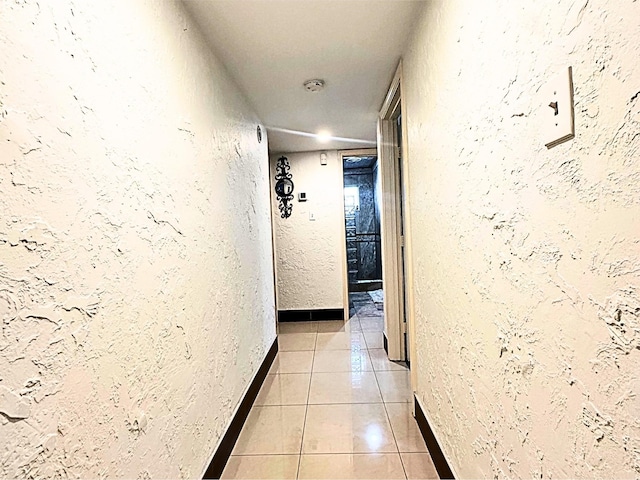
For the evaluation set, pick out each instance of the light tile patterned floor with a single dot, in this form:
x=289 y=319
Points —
x=332 y=406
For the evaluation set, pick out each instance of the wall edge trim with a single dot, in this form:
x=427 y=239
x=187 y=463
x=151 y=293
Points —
x=228 y=440
x=437 y=455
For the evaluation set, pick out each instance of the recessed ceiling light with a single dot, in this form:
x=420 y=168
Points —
x=323 y=136
x=314 y=85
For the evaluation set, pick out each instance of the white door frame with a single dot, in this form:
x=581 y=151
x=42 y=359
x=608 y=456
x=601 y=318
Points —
x=390 y=219
x=345 y=273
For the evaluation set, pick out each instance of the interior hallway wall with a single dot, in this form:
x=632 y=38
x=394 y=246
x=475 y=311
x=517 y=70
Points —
x=309 y=253
x=136 y=284
x=527 y=260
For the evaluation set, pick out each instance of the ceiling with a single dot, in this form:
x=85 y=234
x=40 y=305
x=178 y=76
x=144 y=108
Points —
x=271 y=47
x=358 y=161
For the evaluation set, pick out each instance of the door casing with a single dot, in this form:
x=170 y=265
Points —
x=392 y=275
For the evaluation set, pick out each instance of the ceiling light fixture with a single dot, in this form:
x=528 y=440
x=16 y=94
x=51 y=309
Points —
x=314 y=86
x=315 y=135
x=323 y=136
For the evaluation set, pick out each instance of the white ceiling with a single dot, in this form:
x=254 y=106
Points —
x=271 y=47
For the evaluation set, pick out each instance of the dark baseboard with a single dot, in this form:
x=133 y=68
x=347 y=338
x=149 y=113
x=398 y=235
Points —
x=220 y=458
x=385 y=343
x=310 y=315
x=439 y=460
x=328 y=314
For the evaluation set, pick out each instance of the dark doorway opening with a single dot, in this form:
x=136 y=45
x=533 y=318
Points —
x=362 y=226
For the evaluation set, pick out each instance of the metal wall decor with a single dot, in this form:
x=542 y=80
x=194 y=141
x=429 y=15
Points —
x=284 y=187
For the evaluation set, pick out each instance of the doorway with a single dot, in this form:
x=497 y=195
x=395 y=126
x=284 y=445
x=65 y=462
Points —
x=396 y=247
x=361 y=176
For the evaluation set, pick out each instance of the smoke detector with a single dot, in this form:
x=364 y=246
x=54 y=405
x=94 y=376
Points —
x=314 y=86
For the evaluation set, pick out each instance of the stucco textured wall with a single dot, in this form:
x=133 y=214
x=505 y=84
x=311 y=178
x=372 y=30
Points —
x=527 y=260
x=309 y=253
x=136 y=285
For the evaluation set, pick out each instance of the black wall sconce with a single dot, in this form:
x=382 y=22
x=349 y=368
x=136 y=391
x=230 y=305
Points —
x=284 y=187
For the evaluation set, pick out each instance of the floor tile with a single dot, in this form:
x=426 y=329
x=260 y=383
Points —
x=345 y=431
x=342 y=361
x=340 y=341
x=373 y=339
x=371 y=324
x=366 y=309
x=348 y=428
x=261 y=467
x=272 y=430
x=347 y=466
x=405 y=429
x=380 y=361
x=334 y=326
x=419 y=466
x=297 y=327
x=395 y=386
x=344 y=387
x=284 y=389
x=292 y=362
x=292 y=342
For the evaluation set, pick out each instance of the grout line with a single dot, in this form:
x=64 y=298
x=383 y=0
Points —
x=345 y=403
x=349 y=453
x=306 y=411
x=403 y=467
x=266 y=455
x=392 y=430
x=318 y=453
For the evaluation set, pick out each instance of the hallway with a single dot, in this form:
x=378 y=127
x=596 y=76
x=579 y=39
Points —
x=146 y=251
x=333 y=406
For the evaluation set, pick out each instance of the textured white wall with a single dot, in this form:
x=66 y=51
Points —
x=527 y=260
x=136 y=285
x=309 y=254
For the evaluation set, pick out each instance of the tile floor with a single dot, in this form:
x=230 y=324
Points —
x=332 y=406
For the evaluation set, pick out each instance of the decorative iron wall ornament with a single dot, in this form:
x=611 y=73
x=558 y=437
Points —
x=284 y=187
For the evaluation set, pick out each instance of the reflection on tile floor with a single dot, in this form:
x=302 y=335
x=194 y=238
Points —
x=332 y=406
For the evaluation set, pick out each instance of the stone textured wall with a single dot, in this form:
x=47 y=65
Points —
x=136 y=285
x=527 y=260
x=366 y=258
x=309 y=253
